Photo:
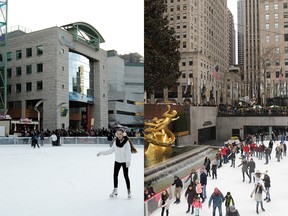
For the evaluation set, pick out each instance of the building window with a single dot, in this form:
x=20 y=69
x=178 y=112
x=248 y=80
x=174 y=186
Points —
x=285 y=5
x=267 y=7
x=1 y=58
x=276 y=6
x=190 y=63
x=28 y=52
x=276 y=16
x=40 y=67
x=267 y=26
x=28 y=69
x=267 y=16
x=285 y=24
x=18 y=71
x=277 y=50
x=18 y=54
x=276 y=38
x=286 y=62
x=285 y=14
x=40 y=50
x=184 y=44
x=9 y=72
x=9 y=56
x=276 y=25
x=285 y=37
x=286 y=74
x=28 y=86
x=9 y=89
x=183 y=75
x=277 y=74
x=267 y=38
x=286 y=49
x=268 y=75
x=18 y=88
x=39 y=85
x=184 y=63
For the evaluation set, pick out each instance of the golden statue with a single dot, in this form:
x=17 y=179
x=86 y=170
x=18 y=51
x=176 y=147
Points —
x=159 y=138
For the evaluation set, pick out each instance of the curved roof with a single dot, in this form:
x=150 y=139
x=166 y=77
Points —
x=87 y=28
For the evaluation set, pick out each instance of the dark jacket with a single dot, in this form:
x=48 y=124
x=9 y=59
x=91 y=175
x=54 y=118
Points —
x=229 y=201
x=190 y=194
x=203 y=178
x=229 y=213
x=177 y=182
x=251 y=165
x=266 y=180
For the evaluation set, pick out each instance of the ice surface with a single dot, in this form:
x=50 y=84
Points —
x=230 y=179
x=69 y=180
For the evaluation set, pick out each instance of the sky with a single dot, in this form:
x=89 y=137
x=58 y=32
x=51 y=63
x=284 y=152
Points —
x=230 y=179
x=68 y=180
x=121 y=23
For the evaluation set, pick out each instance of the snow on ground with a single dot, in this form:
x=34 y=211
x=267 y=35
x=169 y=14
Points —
x=230 y=179
x=68 y=180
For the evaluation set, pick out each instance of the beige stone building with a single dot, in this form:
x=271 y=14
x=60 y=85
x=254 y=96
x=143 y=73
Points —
x=265 y=49
x=202 y=27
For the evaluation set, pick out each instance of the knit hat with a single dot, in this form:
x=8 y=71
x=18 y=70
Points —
x=232 y=208
x=216 y=191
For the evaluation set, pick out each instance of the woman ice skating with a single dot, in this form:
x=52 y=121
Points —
x=123 y=148
x=190 y=195
x=257 y=191
x=164 y=202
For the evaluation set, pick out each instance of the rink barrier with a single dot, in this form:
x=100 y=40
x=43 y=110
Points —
x=151 y=204
x=11 y=140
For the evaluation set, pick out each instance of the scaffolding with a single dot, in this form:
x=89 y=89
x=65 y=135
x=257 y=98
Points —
x=3 y=54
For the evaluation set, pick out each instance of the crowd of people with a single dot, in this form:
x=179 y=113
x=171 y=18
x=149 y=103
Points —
x=247 y=151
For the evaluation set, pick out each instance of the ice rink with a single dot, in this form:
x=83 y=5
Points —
x=230 y=179
x=68 y=180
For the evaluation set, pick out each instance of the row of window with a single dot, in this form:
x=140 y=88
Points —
x=18 y=53
x=18 y=87
x=276 y=6
x=28 y=70
x=276 y=16
x=276 y=25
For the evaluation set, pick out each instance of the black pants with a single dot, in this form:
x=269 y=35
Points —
x=162 y=212
x=117 y=167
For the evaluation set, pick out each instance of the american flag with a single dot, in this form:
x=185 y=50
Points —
x=215 y=72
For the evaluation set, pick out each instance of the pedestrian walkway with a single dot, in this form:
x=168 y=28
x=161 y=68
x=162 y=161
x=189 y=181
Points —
x=230 y=179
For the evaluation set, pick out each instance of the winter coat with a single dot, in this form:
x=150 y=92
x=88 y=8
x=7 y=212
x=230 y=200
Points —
x=217 y=199
x=266 y=180
x=190 y=194
x=203 y=178
x=178 y=183
x=251 y=165
x=197 y=204
x=214 y=168
x=257 y=191
x=244 y=166
x=165 y=205
x=229 y=201
x=193 y=177
x=199 y=188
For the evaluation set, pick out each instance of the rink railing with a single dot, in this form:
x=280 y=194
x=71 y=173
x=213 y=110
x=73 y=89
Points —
x=66 y=140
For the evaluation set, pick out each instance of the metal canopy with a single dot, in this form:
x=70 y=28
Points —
x=84 y=32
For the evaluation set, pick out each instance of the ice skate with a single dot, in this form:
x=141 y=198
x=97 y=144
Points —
x=114 y=193
x=129 y=194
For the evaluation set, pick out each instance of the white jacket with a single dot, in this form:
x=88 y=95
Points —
x=122 y=155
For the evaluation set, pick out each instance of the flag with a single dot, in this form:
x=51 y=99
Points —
x=187 y=85
x=280 y=75
x=215 y=72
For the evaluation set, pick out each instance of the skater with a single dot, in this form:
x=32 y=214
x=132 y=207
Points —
x=34 y=139
x=178 y=188
x=232 y=211
x=199 y=190
x=244 y=165
x=267 y=185
x=278 y=152
x=267 y=153
x=123 y=147
x=251 y=166
x=203 y=181
x=207 y=164
x=214 y=170
x=197 y=206
x=164 y=202
x=193 y=176
x=229 y=201
x=190 y=195
x=53 y=139
x=217 y=198
x=257 y=191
